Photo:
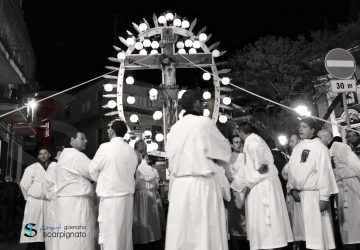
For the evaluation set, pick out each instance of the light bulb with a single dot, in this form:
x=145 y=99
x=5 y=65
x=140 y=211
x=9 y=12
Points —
x=143 y=52
x=202 y=37
x=154 y=52
x=154 y=44
x=192 y=51
x=130 y=80
x=138 y=45
x=177 y=22
x=169 y=16
x=159 y=137
x=223 y=118
x=182 y=51
x=226 y=100
x=121 y=55
x=162 y=19
x=157 y=115
x=147 y=43
x=130 y=99
x=130 y=41
x=108 y=87
x=153 y=92
x=180 y=45
x=185 y=24
x=111 y=104
x=143 y=27
x=206 y=76
x=147 y=133
x=225 y=80
x=188 y=43
x=206 y=112
x=215 y=53
x=196 y=44
x=134 y=118
x=206 y=95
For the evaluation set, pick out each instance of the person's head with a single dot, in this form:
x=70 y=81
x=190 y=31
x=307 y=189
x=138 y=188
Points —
x=244 y=129
x=58 y=151
x=353 y=137
x=325 y=136
x=78 y=141
x=293 y=141
x=307 y=127
x=192 y=100
x=44 y=155
x=236 y=144
x=117 y=129
x=141 y=147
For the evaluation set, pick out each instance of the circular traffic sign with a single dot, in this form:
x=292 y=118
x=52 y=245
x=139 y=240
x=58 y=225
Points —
x=340 y=63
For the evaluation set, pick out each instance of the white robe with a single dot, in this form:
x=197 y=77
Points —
x=267 y=220
x=295 y=212
x=74 y=201
x=237 y=219
x=34 y=188
x=196 y=217
x=113 y=167
x=310 y=172
x=50 y=205
x=347 y=174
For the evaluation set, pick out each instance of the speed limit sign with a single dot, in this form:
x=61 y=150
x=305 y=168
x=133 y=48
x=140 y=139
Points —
x=343 y=86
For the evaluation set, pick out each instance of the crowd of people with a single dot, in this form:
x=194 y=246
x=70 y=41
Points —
x=223 y=192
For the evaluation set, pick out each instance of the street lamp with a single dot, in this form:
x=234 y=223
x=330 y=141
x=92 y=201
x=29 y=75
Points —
x=303 y=110
x=282 y=140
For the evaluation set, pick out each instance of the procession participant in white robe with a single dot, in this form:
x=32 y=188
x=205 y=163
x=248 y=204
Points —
x=354 y=142
x=267 y=220
x=75 y=212
x=34 y=187
x=236 y=218
x=149 y=217
x=113 y=167
x=294 y=207
x=196 y=217
x=311 y=180
x=347 y=175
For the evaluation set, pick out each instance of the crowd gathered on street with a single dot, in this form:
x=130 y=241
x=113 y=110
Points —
x=224 y=193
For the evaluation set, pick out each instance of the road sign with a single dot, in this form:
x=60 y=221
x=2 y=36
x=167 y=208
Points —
x=340 y=63
x=343 y=86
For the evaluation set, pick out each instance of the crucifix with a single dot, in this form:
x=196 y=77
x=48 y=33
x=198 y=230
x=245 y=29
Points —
x=168 y=62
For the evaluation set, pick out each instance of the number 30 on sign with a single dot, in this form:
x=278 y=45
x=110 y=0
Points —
x=340 y=86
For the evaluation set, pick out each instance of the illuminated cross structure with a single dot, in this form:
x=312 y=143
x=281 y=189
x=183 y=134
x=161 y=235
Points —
x=167 y=61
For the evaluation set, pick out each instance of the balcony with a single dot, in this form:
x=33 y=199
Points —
x=17 y=59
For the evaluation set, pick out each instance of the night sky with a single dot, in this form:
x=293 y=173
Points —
x=73 y=39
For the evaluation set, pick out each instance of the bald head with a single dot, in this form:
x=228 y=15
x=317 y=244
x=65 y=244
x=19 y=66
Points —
x=325 y=136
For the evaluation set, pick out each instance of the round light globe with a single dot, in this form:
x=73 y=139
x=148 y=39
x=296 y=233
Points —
x=206 y=76
x=111 y=104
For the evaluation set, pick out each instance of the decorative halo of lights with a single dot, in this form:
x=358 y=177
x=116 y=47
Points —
x=146 y=41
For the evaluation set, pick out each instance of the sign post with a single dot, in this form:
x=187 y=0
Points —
x=341 y=65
